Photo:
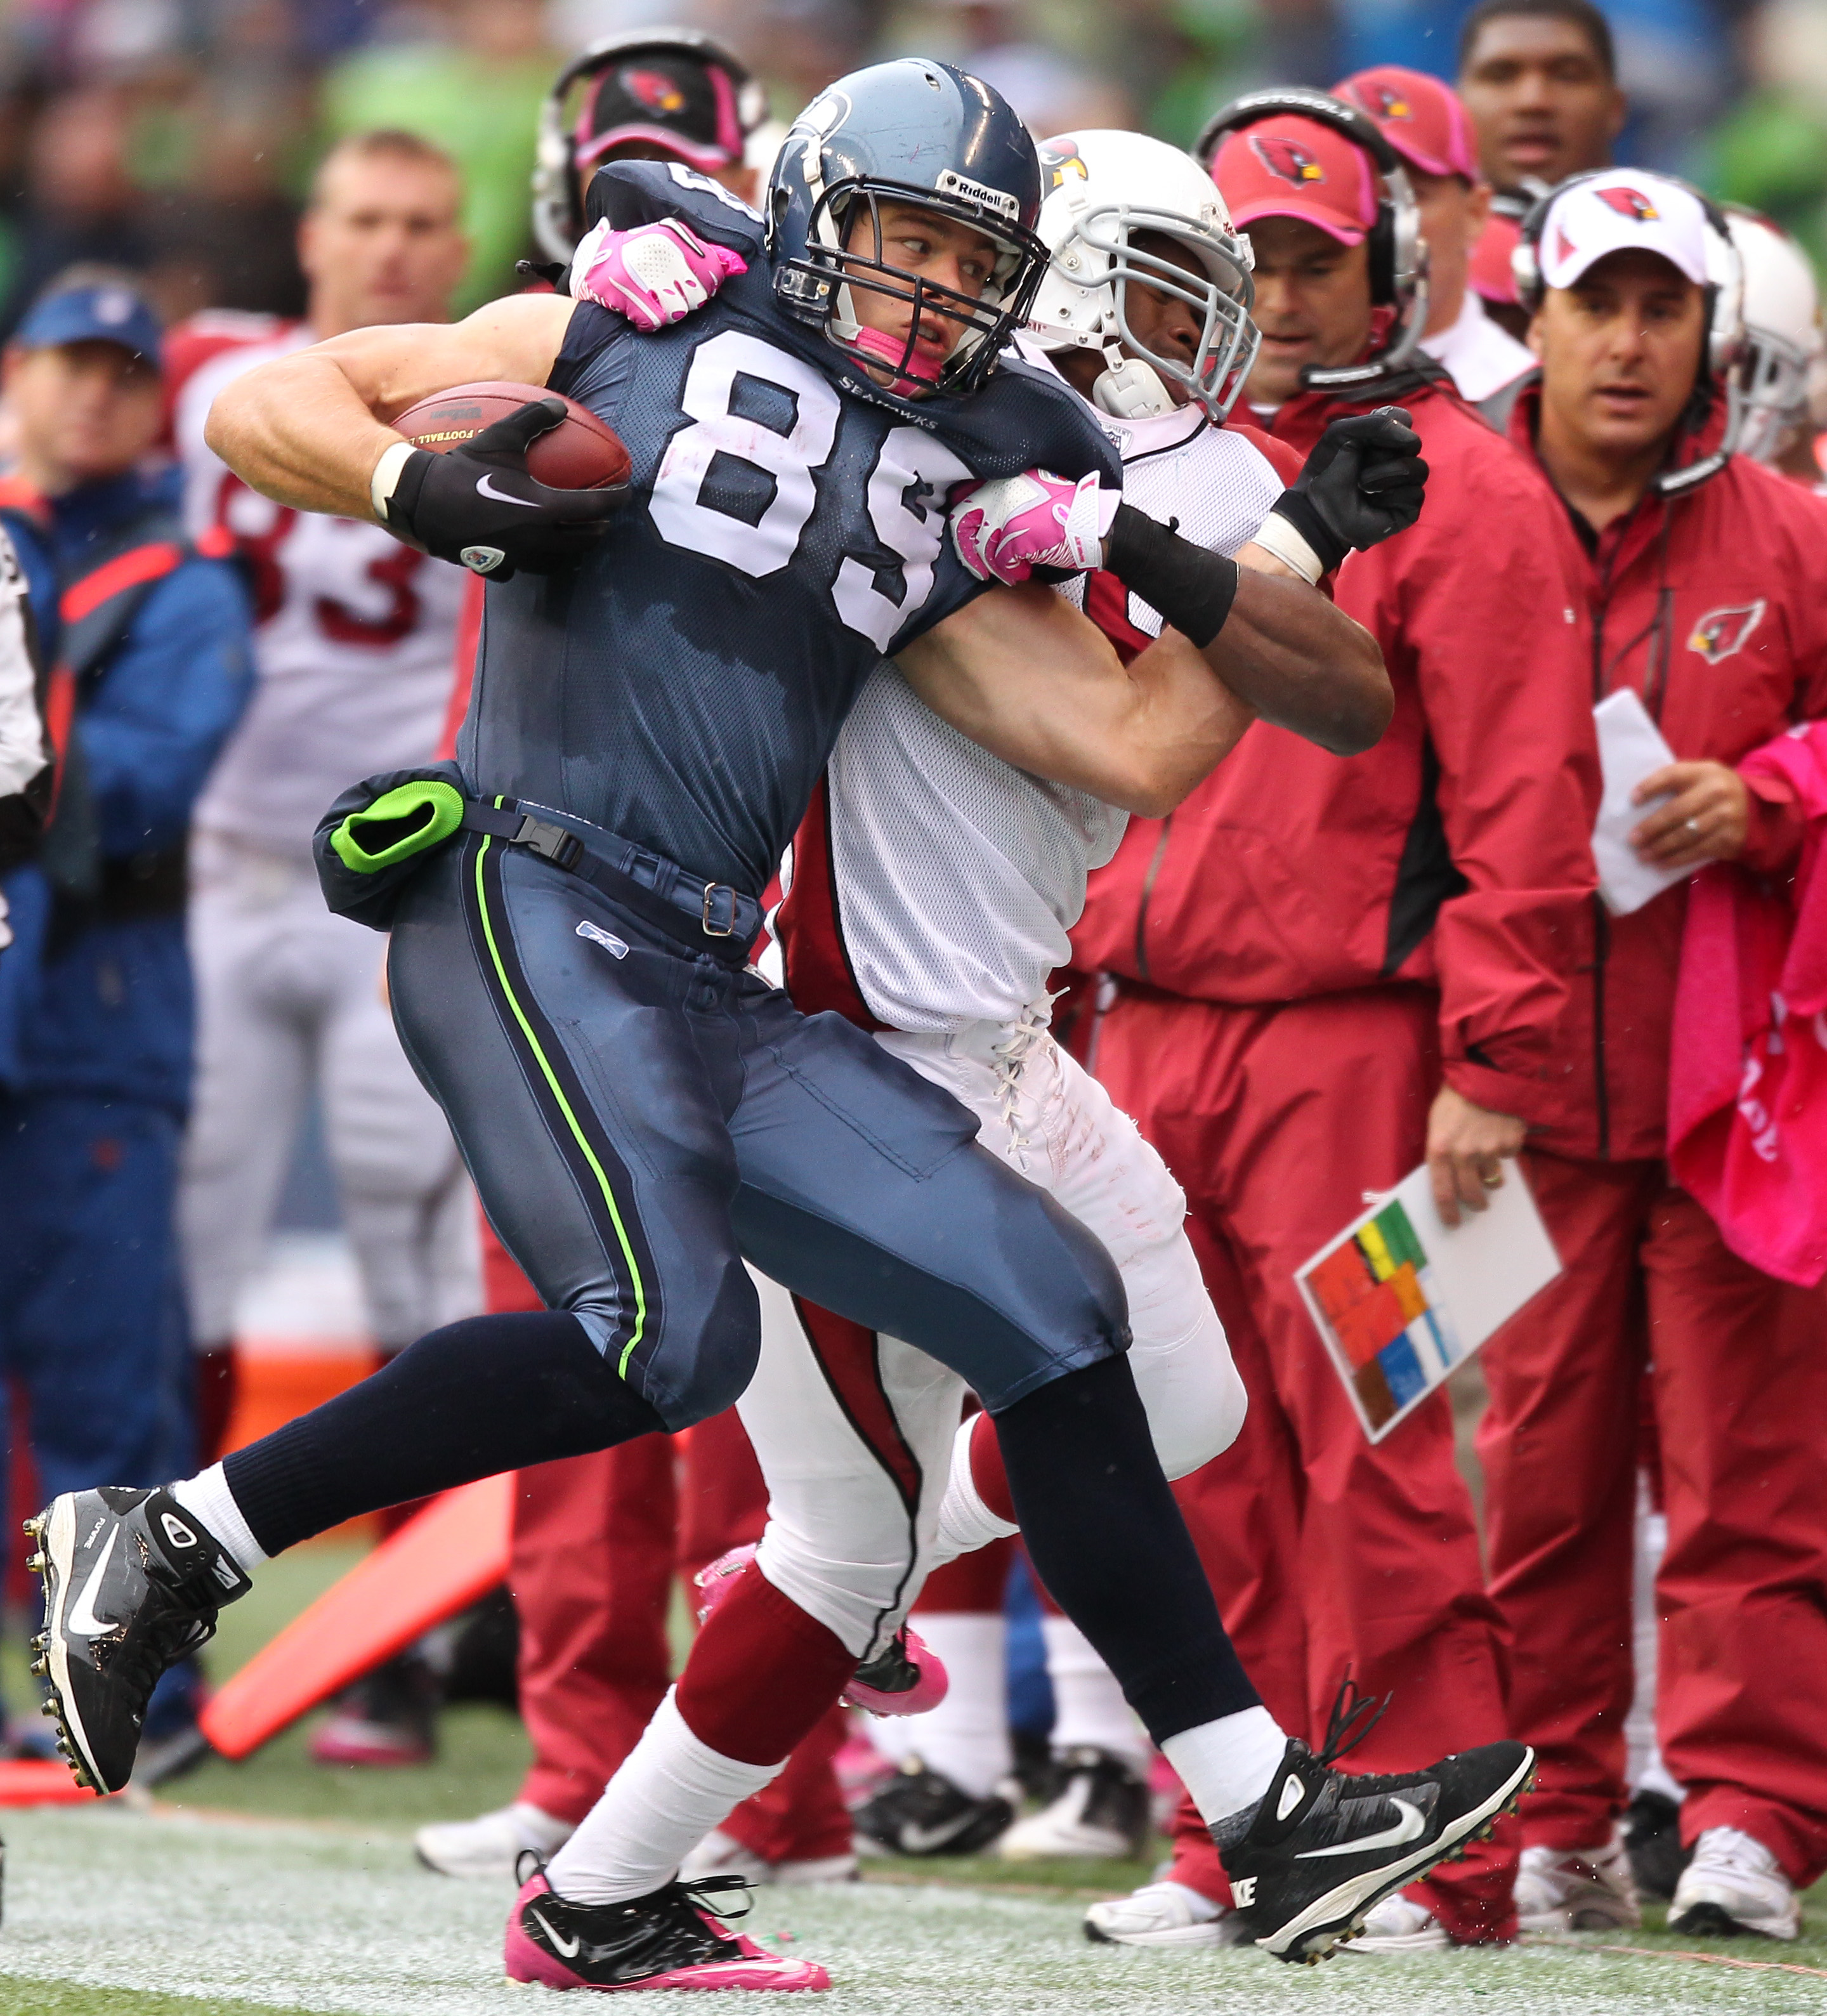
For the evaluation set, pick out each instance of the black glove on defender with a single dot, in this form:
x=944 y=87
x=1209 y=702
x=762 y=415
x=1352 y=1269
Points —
x=1363 y=482
x=479 y=507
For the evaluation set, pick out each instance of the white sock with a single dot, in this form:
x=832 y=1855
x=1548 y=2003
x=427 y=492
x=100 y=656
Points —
x=965 y=1522
x=1089 y=1709
x=967 y=1737
x=208 y=1499
x=667 y=1795
x=1226 y=1764
x=896 y=1736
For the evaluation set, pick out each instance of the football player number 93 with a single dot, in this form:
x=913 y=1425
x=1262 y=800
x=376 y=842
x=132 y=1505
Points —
x=791 y=431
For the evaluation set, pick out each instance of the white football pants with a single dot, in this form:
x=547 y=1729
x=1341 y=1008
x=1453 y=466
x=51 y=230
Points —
x=290 y=998
x=855 y=1431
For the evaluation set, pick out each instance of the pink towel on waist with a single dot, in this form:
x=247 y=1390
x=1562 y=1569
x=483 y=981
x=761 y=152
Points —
x=1747 y=1105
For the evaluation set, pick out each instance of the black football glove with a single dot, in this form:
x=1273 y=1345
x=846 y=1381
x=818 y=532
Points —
x=479 y=507
x=1363 y=482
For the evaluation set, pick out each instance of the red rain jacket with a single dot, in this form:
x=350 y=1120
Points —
x=1714 y=606
x=1458 y=850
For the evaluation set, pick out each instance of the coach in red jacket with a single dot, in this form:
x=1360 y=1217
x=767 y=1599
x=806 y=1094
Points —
x=1326 y=969
x=1708 y=595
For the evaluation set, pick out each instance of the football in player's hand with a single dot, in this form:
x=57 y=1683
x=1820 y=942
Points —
x=581 y=453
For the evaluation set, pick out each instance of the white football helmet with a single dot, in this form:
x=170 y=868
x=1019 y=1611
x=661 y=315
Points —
x=1099 y=191
x=1784 y=361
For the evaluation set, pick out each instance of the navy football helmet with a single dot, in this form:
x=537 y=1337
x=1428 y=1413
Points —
x=912 y=131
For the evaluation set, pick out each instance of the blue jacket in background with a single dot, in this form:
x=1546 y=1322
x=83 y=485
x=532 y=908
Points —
x=102 y=1001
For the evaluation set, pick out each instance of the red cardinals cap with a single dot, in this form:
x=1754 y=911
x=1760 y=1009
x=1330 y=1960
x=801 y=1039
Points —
x=1421 y=118
x=1622 y=209
x=670 y=97
x=1287 y=166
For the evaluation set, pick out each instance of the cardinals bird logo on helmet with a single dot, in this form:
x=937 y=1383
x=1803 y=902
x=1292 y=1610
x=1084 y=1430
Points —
x=1287 y=159
x=1630 y=203
x=1061 y=160
x=1722 y=632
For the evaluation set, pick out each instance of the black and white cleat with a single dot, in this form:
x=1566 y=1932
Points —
x=132 y=1583
x=1309 y=1861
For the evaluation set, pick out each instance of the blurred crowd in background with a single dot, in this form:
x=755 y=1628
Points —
x=176 y=137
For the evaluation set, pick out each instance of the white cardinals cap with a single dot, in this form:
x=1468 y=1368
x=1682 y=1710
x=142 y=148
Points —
x=1622 y=209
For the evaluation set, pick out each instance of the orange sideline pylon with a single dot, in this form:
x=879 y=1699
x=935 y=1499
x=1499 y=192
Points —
x=30 y=1781
x=453 y=1552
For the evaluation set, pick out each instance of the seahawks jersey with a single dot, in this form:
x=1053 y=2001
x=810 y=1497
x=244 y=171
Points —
x=683 y=686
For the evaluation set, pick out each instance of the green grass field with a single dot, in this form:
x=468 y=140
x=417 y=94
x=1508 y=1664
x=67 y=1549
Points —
x=276 y=1885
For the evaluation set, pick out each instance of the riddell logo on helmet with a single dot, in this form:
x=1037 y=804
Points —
x=1630 y=203
x=952 y=183
x=1287 y=159
x=1721 y=633
x=654 y=88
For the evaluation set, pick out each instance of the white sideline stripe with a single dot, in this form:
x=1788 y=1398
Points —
x=298 y=1917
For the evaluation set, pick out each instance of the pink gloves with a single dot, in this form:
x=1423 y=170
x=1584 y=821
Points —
x=1005 y=529
x=654 y=274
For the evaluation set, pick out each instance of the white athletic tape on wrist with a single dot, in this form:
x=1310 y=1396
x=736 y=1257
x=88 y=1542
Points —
x=1278 y=537
x=382 y=483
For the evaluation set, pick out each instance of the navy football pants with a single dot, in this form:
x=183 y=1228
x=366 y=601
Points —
x=92 y=1326
x=638 y=1119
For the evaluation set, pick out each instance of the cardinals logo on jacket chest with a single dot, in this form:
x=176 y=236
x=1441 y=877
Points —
x=1722 y=632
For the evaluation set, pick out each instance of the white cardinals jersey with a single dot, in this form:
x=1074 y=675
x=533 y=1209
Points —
x=934 y=885
x=355 y=635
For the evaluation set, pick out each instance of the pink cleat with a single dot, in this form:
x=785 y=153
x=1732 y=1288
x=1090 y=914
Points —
x=908 y=1678
x=668 y=1938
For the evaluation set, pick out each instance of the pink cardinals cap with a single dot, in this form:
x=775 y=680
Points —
x=1622 y=209
x=1287 y=166
x=1492 y=272
x=1421 y=118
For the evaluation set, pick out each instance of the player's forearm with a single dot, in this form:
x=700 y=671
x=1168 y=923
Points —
x=1293 y=658
x=1023 y=673
x=298 y=431
x=1284 y=649
x=1178 y=722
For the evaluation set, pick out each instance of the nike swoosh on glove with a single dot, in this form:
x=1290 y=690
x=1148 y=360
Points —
x=1363 y=482
x=654 y=274
x=1004 y=529
x=479 y=507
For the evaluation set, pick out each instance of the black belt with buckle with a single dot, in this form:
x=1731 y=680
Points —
x=703 y=916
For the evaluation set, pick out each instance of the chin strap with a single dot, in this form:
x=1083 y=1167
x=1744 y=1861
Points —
x=1128 y=389
x=917 y=373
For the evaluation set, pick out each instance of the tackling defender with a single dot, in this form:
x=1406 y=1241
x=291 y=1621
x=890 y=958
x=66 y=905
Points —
x=638 y=1110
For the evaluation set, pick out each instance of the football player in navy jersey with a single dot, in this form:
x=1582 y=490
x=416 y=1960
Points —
x=661 y=678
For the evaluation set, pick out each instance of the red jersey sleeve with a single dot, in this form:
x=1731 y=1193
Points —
x=1487 y=602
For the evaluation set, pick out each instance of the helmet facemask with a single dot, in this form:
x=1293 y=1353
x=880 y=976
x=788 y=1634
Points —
x=1774 y=374
x=1228 y=341
x=825 y=281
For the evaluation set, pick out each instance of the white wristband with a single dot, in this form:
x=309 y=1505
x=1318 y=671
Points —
x=1278 y=537
x=386 y=475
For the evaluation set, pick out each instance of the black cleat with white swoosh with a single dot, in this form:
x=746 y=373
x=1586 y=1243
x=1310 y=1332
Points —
x=1321 y=1847
x=671 y=1938
x=132 y=1583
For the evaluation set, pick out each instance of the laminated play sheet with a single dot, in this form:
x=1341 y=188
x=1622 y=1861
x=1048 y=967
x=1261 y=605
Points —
x=1401 y=1297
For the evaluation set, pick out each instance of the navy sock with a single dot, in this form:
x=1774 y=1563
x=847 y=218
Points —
x=1106 y=1537
x=489 y=1394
